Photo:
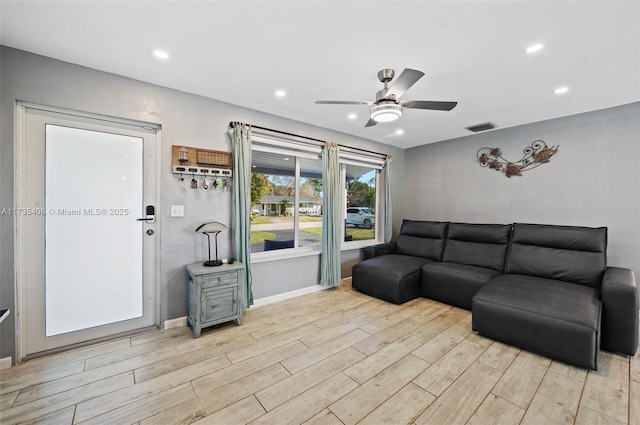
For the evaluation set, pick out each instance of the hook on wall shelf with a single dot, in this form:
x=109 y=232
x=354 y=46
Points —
x=202 y=171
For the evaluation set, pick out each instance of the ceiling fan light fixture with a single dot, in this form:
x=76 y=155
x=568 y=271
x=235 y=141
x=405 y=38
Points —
x=386 y=112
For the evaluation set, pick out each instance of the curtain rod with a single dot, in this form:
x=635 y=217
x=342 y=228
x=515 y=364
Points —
x=233 y=124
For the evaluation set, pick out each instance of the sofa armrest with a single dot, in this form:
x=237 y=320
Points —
x=619 y=323
x=371 y=251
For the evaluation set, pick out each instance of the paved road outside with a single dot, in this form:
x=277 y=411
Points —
x=283 y=229
x=284 y=223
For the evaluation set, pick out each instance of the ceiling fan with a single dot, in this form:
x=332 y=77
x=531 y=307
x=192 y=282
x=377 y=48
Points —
x=387 y=106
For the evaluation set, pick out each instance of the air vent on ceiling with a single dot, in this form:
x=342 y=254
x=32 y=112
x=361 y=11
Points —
x=482 y=127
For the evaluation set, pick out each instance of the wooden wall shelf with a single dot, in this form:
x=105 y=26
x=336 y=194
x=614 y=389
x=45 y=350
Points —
x=201 y=162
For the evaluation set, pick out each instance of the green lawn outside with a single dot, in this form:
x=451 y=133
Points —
x=259 y=219
x=358 y=234
x=310 y=219
x=361 y=234
x=313 y=230
x=259 y=236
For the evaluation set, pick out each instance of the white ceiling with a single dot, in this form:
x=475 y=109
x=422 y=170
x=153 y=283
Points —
x=241 y=52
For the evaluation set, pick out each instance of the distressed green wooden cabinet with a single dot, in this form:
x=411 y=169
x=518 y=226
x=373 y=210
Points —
x=215 y=295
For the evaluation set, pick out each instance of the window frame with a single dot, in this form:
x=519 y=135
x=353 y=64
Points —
x=280 y=147
x=297 y=147
x=378 y=230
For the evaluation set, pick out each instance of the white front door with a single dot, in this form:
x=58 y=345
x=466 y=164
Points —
x=85 y=229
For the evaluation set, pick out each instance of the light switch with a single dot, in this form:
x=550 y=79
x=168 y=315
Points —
x=177 y=210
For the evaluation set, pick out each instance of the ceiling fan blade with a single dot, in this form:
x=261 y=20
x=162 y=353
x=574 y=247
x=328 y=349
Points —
x=428 y=104
x=342 y=102
x=371 y=123
x=408 y=78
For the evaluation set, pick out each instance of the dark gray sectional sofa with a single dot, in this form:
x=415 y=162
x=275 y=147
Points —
x=545 y=288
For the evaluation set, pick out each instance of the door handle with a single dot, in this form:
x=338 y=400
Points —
x=149 y=211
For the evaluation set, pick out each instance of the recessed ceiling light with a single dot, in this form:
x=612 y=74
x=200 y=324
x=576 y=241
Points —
x=286 y=158
x=352 y=116
x=161 y=54
x=399 y=131
x=561 y=90
x=534 y=48
x=281 y=93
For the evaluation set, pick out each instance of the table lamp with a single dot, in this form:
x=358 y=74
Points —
x=207 y=228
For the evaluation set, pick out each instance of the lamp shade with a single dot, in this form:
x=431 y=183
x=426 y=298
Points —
x=211 y=227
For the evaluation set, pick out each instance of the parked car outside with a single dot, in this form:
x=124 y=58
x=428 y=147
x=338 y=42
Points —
x=360 y=217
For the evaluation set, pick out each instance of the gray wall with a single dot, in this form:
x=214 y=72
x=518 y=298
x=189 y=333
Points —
x=185 y=119
x=593 y=180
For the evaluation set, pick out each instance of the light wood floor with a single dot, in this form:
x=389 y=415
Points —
x=332 y=357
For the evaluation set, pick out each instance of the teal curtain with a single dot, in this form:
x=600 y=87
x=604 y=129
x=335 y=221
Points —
x=388 y=214
x=330 y=257
x=241 y=203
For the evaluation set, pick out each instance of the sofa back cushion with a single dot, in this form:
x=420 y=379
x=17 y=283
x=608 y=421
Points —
x=567 y=253
x=422 y=239
x=482 y=245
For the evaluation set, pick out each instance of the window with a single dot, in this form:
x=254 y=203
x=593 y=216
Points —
x=287 y=195
x=360 y=201
x=286 y=198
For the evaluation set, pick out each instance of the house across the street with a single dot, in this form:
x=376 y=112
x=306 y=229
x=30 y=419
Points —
x=270 y=205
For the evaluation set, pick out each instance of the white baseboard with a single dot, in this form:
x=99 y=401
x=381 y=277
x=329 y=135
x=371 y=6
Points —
x=175 y=323
x=5 y=363
x=182 y=321
x=285 y=296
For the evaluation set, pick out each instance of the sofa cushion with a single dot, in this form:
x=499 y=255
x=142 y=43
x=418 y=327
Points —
x=570 y=254
x=391 y=277
x=557 y=319
x=454 y=284
x=482 y=245
x=422 y=239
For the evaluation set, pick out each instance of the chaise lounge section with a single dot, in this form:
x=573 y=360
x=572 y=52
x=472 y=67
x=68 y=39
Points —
x=545 y=288
x=392 y=272
x=549 y=299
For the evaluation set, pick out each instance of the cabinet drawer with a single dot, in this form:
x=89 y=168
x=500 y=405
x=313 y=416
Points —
x=227 y=278
x=220 y=303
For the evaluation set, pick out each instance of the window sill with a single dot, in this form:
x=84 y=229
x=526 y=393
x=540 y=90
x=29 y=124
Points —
x=349 y=246
x=287 y=254
x=282 y=254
